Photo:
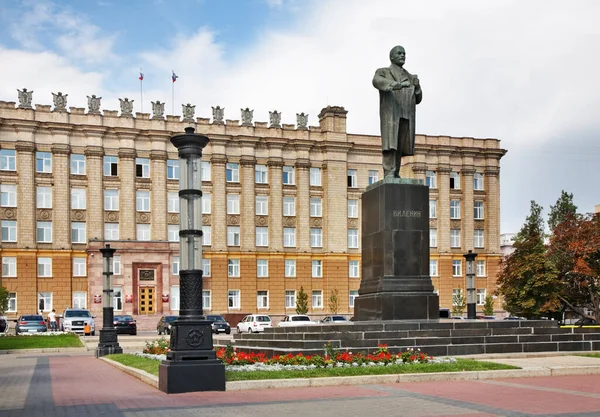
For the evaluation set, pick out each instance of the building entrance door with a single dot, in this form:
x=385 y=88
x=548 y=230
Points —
x=147 y=300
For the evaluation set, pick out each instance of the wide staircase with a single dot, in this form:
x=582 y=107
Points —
x=440 y=338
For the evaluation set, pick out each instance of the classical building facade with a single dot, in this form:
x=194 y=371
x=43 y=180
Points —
x=281 y=208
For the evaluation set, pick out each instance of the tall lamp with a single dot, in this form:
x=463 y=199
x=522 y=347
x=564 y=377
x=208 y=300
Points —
x=108 y=343
x=191 y=363
x=471 y=296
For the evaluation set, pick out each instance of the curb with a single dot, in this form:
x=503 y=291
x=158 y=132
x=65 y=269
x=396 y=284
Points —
x=44 y=350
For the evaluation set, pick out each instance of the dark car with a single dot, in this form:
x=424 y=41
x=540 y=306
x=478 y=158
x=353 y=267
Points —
x=335 y=319
x=219 y=324
x=31 y=323
x=3 y=325
x=164 y=324
x=585 y=322
x=125 y=324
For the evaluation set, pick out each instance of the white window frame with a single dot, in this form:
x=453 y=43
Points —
x=433 y=209
x=317 y=268
x=9 y=266
x=43 y=197
x=173 y=202
x=478 y=181
x=44 y=232
x=9 y=230
x=290 y=268
x=290 y=298
x=80 y=299
x=174 y=298
x=206 y=267
x=480 y=296
x=205 y=172
x=315 y=176
x=352 y=178
x=233 y=299
x=117 y=265
x=206 y=300
x=43 y=162
x=457 y=268
x=44 y=267
x=261 y=174
x=352 y=296
x=262 y=236
x=480 y=268
x=142 y=232
x=316 y=207
x=289 y=237
x=261 y=205
x=433 y=268
x=173 y=233
x=455 y=238
x=372 y=177
x=478 y=210
x=478 y=238
x=262 y=268
x=111 y=166
x=46 y=297
x=353 y=269
x=353 y=239
x=454 y=180
x=78 y=199
x=233 y=204
x=431 y=179
x=262 y=299
x=353 y=209
x=233 y=268
x=175 y=265
x=111 y=231
x=172 y=169
x=12 y=302
x=232 y=172
x=316 y=237
x=317 y=299
x=117 y=299
x=289 y=175
x=433 y=238
x=289 y=206
x=8 y=160
x=111 y=199
x=8 y=195
x=206 y=235
x=142 y=200
x=233 y=236
x=142 y=167
x=78 y=232
x=455 y=209
x=77 y=164
x=206 y=203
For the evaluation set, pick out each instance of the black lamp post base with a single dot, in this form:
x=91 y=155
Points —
x=471 y=311
x=191 y=376
x=108 y=343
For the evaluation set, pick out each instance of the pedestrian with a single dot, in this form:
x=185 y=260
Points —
x=52 y=320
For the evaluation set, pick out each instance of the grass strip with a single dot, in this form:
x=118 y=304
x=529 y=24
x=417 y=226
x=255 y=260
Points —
x=151 y=366
x=40 y=342
x=590 y=355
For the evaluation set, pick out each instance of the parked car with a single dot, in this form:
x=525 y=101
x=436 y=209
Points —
x=125 y=324
x=3 y=325
x=335 y=319
x=514 y=318
x=75 y=319
x=31 y=323
x=294 y=320
x=585 y=322
x=219 y=324
x=254 y=323
x=164 y=324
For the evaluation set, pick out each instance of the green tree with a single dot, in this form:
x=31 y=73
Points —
x=528 y=280
x=488 y=305
x=562 y=210
x=4 y=298
x=302 y=302
x=459 y=303
x=334 y=302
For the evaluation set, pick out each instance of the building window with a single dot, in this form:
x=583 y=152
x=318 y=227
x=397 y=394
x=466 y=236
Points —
x=206 y=300
x=8 y=160
x=45 y=301
x=206 y=203
x=175 y=265
x=44 y=267
x=433 y=238
x=455 y=209
x=233 y=298
x=261 y=174
x=206 y=267
x=288 y=175
x=478 y=241
x=480 y=268
x=478 y=210
x=173 y=202
x=262 y=299
x=78 y=232
x=79 y=299
x=352 y=178
x=12 y=302
x=8 y=193
x=290 y=298
x=9 y=266
x=111 y=164
x=432 y=209
x=173 y=233
x=353 y=209
x=117 y=265
x=289 y=237
x=433 y=267
x=232 y=172
x=289 y=206
x=480 y=296
x=44 y=197
x=43 y=162
x=316 y=237
x=353 y=271
x=431 y=179
x=262 y=236
x=205 y=171
x=478 y=181
x=206 y=236
x=143 y=232
x=233 y=268
x=44 y=232
x=290 y=268
x=315 y=177
x=173 y=170
x=111 y=200
x=78 y=198
x=262 y=205
x=455 y=238
x=174 y=298
x=77 y=164
x=456 y=268
x=454 y=180
x=353 y=238
x=9 y=230
x=317 y=299
x=233 y=204
x=373 y=177
x=118 y=298
x=142 y=200
x=317 y=269
x=316 y=207
x=233 y=235
x=457 y=296
x=262 y=268
x=142 y=167
x=353 y=294
x=111 y=231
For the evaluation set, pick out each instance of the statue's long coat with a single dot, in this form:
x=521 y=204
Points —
x=396 y=104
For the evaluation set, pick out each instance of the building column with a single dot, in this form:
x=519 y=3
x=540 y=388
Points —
x=219 y=200
x=247 y=205
x=335 y=203
x=443 y=208
x=275 y=165
x=95 y=192
x=61 y=219
x=303 y=204
x=468 y=207
x=26 y=201
x=492 y=192
x=158 y=194
x=127 y=223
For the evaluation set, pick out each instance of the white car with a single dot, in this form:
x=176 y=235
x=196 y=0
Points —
x=75 y=319
x=294 y=320
x=254 y=323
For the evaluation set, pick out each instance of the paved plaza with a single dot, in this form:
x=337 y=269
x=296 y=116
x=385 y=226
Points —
x=80 y=385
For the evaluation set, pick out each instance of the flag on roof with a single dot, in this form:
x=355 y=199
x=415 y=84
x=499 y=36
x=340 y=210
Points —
x=174 y=76
x=141 y=77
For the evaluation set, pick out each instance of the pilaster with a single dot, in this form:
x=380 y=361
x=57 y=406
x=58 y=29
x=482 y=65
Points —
x=158 y=194
x=248 y=205
x=492 y=191
x=127 y=223
x=94 y=192
x=26 y=230
x=443 y=183
x=303 y=204
x=468 y=206
x=219 y=209
x=275 y=165
x=61 y=222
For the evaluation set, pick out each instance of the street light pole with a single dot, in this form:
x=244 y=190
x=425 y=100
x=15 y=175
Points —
x=471 y=296
x=108 y=343
x=191 y=363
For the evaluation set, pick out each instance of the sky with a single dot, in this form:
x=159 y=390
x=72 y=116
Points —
x=521 y=71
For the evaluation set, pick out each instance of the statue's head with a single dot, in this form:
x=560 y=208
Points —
x=398 y=55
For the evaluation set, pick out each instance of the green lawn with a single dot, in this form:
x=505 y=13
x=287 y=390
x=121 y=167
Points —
x=40 y=342
x=151 y=366
x=591 y=355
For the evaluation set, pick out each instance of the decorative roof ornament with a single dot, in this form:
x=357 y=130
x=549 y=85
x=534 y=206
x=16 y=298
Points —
x=60 y=102
x=158 y=110
x=301 y=121
x=25 y=98
x=94 y=104
x=218 y=114
x=247 y=116
x=275 y=118
x=126 y=107
x=188 y=112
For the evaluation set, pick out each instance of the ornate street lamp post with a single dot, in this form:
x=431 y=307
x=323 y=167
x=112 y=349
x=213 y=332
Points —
x=108 y=343
x=191 y=363
x=471 y=296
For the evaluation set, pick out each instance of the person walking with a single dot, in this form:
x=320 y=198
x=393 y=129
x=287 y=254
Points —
x=52 y=320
